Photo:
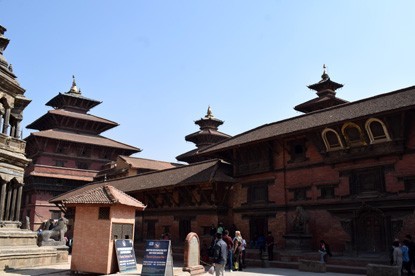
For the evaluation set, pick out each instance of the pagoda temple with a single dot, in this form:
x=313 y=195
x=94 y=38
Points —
x=67 y=151
x=326 y=92
x=207 y=135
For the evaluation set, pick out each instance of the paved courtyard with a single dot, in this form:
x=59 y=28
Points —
x=63 y=269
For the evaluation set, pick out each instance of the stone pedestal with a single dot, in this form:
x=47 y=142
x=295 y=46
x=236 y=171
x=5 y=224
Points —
x=300 y=242
x=18 y=248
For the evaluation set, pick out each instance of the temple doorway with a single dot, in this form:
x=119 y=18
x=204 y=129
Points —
x=370 y=234
x=257 y=226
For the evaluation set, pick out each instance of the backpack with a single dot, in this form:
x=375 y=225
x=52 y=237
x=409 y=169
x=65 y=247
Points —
x=217 y=252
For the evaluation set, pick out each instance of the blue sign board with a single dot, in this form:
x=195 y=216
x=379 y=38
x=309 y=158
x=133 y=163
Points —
x=125 y=255
x=158 y=260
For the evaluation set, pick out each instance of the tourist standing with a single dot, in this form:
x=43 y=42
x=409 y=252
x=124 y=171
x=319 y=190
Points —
x=406 y=264
x=220 y=255
x=229 y=243
x=270 y=246
x=237 y=250
x=396 y=254
x=411 y=247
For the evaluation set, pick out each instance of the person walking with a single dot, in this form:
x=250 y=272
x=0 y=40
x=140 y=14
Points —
x=229 y=242
x=220 y=255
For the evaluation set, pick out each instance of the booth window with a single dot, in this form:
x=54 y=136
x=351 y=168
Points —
x=104 y=213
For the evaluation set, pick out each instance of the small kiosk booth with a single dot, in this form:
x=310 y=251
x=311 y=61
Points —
x=103 y=215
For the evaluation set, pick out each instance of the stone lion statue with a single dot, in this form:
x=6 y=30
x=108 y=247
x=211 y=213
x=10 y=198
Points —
x=55 y=236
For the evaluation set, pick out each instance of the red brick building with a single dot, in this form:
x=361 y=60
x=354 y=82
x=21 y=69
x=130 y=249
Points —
x=342 y=171
x=67 y=151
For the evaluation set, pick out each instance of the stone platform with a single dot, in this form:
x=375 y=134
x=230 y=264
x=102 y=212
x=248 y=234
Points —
x=18 y=248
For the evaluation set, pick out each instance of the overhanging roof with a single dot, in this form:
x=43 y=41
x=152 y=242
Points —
x=380 y=104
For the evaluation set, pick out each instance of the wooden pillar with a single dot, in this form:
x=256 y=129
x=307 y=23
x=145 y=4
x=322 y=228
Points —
x=3 y=200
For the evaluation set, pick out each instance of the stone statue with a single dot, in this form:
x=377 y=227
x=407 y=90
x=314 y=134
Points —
x=300 y=221
x=55 y=236
x=26 y=223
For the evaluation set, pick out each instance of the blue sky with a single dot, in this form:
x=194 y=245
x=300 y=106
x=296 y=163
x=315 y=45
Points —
x=157 y=65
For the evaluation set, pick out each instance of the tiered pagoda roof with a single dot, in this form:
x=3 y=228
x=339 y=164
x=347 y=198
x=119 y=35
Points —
x=326 y=92
x=206 y=136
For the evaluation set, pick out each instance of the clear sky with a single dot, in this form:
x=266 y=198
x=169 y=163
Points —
x=157 y=65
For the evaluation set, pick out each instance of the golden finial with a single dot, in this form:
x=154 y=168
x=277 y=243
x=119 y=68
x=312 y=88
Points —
x=74 y=88
x=209 y=113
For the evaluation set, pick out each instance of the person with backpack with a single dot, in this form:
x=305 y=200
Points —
x=220 y=255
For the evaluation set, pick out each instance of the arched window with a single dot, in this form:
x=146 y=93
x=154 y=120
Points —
x=331 y=139
x=377 y=131
x=353 y=134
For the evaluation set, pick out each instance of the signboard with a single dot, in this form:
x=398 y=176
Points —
x=158 y=260
x=125 y=255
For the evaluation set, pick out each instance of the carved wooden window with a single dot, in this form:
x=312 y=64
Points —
x=82 y=165
x=104 y=213
x=353 y=134
x=258 y=192
x=300 y=194
x=59 y=163
x=367 y=180
x=327 y=192
x=62 y=147
x=331 y=139
x=297 y=150
x=253 y=159
x=377 y=131
x=85 y=152
x=409 y=184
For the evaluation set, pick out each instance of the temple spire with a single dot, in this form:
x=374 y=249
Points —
x=209 y=113
x=325 y=76
x=74 y=88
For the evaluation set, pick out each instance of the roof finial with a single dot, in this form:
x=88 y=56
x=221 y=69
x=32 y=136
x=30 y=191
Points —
x=74 y=88
x=325 y=76
x=209 y=113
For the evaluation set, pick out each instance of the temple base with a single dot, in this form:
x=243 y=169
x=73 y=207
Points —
x=18 y=248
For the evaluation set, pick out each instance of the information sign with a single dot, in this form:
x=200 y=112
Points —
x=125 y=255
x=158 y=260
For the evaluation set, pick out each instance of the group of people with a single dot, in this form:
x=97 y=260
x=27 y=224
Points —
x=228 y=251
x=403 y=254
